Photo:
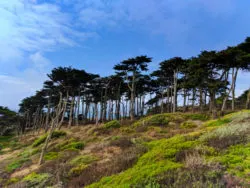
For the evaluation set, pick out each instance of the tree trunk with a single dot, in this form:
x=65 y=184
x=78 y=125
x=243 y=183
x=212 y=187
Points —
x=53 y=126
x=233 y=90
x=78 y=109
x=71 y=112
x=227 y=95
x=184 y=100
x=47 y=115
x=96 y=114
x=212 y=104
x=175 y=92
x=248 y=100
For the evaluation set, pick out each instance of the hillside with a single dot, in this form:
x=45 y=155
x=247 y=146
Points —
x=165 y=150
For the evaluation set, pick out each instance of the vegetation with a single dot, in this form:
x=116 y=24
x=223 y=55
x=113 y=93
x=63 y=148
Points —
x=136 y=133
x=41 y=139
x=36 y=180
x=209 y=155
x=112 y=124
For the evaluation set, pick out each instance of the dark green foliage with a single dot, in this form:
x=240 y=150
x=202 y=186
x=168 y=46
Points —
x=17 y=163
x=202 y=117
x=41 y=139
x=51 y=156
x=203 y=178
x=112 y=124
x=8 y=121
x=37 y=180
x=188 y=125
x=74 y=145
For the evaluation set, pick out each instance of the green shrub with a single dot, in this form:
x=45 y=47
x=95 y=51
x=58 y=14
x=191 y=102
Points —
x=188 y=125
x=80 y=163
x=237 y=160
x=112 y=124
x=51 y=156
x=76 y=171
x=227 y=135
x=74 y=145
x=218 y=122
x=16 y=164
x=127 y=130
x=12 y=181
x=83 y=159
x=41 y=139
x=160 y=158
x=202 y=117
x=37 y=180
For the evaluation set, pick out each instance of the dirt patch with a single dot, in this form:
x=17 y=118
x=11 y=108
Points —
x=8 y=155
x=24 y=171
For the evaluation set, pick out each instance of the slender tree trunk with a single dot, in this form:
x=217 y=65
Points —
x=78 y=109
x=227 y=95
x=184 y=100
x=162 y=101
x=233 y=90
x=193 y=100
x=64 y=110
x=71 y=112
x=48 y=114
x=96 y=114
x=213 y=104
x=53 y=126
x=201 y=99
x=175 y=92
x=248 y=100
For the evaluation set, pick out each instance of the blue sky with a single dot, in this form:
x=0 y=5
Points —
x=37 y=35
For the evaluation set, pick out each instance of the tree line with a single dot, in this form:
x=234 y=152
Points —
x=205 y=83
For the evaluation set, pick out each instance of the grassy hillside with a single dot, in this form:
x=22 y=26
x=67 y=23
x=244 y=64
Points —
x=166 y=150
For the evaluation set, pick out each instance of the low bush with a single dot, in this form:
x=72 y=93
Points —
x=51 y=156
x=41 y=139
x=236 y=161
x=112 y=124
x=199 y=177
x=122 y=142
x=37 y=180
x=17 y=163
x=74 y=145
x=188 y=125
x=201 y=117
x=159 y=159
x=77 y=170
x=12 y=181
x=227 y=135
x=127 y=130
x=83 y=159
x=119 y=163
x=218 y=122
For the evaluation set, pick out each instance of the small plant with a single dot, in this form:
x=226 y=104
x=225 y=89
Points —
x=83 y=159
x=51 y=156
x=41 y=139
x=80 y=163
x=201 y=117
x=127 y=130
x=188 y=125
x=75 y=171
x=12 y=181
x=74 y=145
x=16 y=164
x=158 y=120
x=37 y=180
x=112 y=124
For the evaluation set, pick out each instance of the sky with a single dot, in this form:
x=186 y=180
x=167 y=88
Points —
x=94 y=35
